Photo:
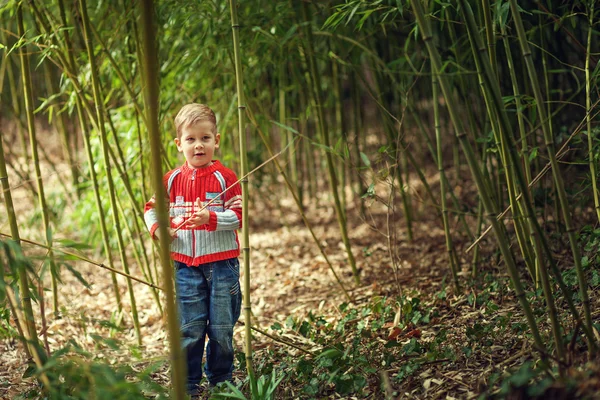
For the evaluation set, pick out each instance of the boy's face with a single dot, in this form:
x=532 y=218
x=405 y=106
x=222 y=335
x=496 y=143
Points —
x=198 y=143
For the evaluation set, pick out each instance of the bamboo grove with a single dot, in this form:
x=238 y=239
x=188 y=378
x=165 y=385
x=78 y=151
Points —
x=402 y=103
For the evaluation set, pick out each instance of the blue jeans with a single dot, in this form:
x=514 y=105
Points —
x=209 y=301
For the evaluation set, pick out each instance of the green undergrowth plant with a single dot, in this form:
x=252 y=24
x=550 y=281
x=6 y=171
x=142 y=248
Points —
x=352 y=350
x=76 y=373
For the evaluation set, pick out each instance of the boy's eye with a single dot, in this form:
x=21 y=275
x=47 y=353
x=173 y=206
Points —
x=190 y=139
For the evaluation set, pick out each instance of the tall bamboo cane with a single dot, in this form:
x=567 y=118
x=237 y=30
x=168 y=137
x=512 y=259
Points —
x=99 y=103
x=452 y=257
x=178 y=368
x=588 y=104
x=500 y=136
x=29 y=323
x=558 y=180
x=29 y=107
x=477 y=175
x=291 y=188
x=68 y=65
x=239 y=80
x=324 y=133
x=491 y=89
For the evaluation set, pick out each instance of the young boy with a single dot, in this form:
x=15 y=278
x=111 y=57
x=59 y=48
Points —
x=205 y=247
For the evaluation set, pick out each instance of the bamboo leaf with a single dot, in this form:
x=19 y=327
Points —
x=286 y=127
x=352 y=13
x=46 y=102
x=365 y=159
x=71 y=244
x=77 y=275
x=289 y=34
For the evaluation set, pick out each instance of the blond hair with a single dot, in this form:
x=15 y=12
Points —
x=193 y=113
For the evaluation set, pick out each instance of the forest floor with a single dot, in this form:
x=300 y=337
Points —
x=405 y=332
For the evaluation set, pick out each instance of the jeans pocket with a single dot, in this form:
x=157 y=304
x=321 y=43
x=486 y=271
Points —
x=234 y=266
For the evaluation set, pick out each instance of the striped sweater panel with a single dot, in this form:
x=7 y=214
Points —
x=217 y=240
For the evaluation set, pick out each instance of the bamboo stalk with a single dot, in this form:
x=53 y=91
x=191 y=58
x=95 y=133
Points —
x=99 y=104
x=502 y=141
x=64 y=135
x=28 y=98
x=558 y=181
x=324 y=133
x=178 y=368
x=482 y=64
x=68 y=65
x=452 y=257
x=477 y=175
x=588 y=104
x=493 y=87
x=290 y=186
x=239 y=80
x=15 y=87
x=29 y=327
x=31 y=339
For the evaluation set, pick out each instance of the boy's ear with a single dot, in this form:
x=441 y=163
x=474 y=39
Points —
x=217 y=140
x=178 y=143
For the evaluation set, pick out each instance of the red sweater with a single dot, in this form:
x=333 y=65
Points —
x=217 y=240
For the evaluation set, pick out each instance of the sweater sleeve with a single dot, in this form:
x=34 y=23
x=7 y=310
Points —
x=150 y=216
x=231 y=217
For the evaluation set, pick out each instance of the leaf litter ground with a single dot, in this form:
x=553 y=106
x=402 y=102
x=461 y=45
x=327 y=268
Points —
x=445 y=345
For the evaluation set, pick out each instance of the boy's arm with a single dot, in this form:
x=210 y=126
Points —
x=231 y=218
x=150 y=217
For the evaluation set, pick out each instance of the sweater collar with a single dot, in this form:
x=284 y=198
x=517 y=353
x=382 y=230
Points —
x=201 y=171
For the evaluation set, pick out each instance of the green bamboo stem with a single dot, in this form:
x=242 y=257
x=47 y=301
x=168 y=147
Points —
x=588 y=105
x=491 y=84
x=524 y=148
x=30 y=339
x=558 y=181
x=443 y=176
x=144 y=267
x=490 y=34
x=452 y=257
x=25 y=297
x=81 y=104
x=239 y=80
x=339 y=127
x=482 y=64
x=324 y=133
x=99 y=104
x=29 y=108
x=120 y=74
x=178 y=368
x=358 y=130
x=16 y=87
x=61 y=127
x=290 y=187
x=476 y=172
x=521 y=231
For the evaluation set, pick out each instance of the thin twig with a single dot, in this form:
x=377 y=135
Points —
x=559 y=154
x=235 y=183
x=82 y=258
x=280 y=340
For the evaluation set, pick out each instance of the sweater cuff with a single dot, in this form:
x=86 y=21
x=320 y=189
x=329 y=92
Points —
x=153 y=231
x=212 y=221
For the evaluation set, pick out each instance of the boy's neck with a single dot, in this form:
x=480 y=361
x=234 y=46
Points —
x=210 y=164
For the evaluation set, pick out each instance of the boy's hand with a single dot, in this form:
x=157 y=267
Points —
x=198 y=218
x=172 y=234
